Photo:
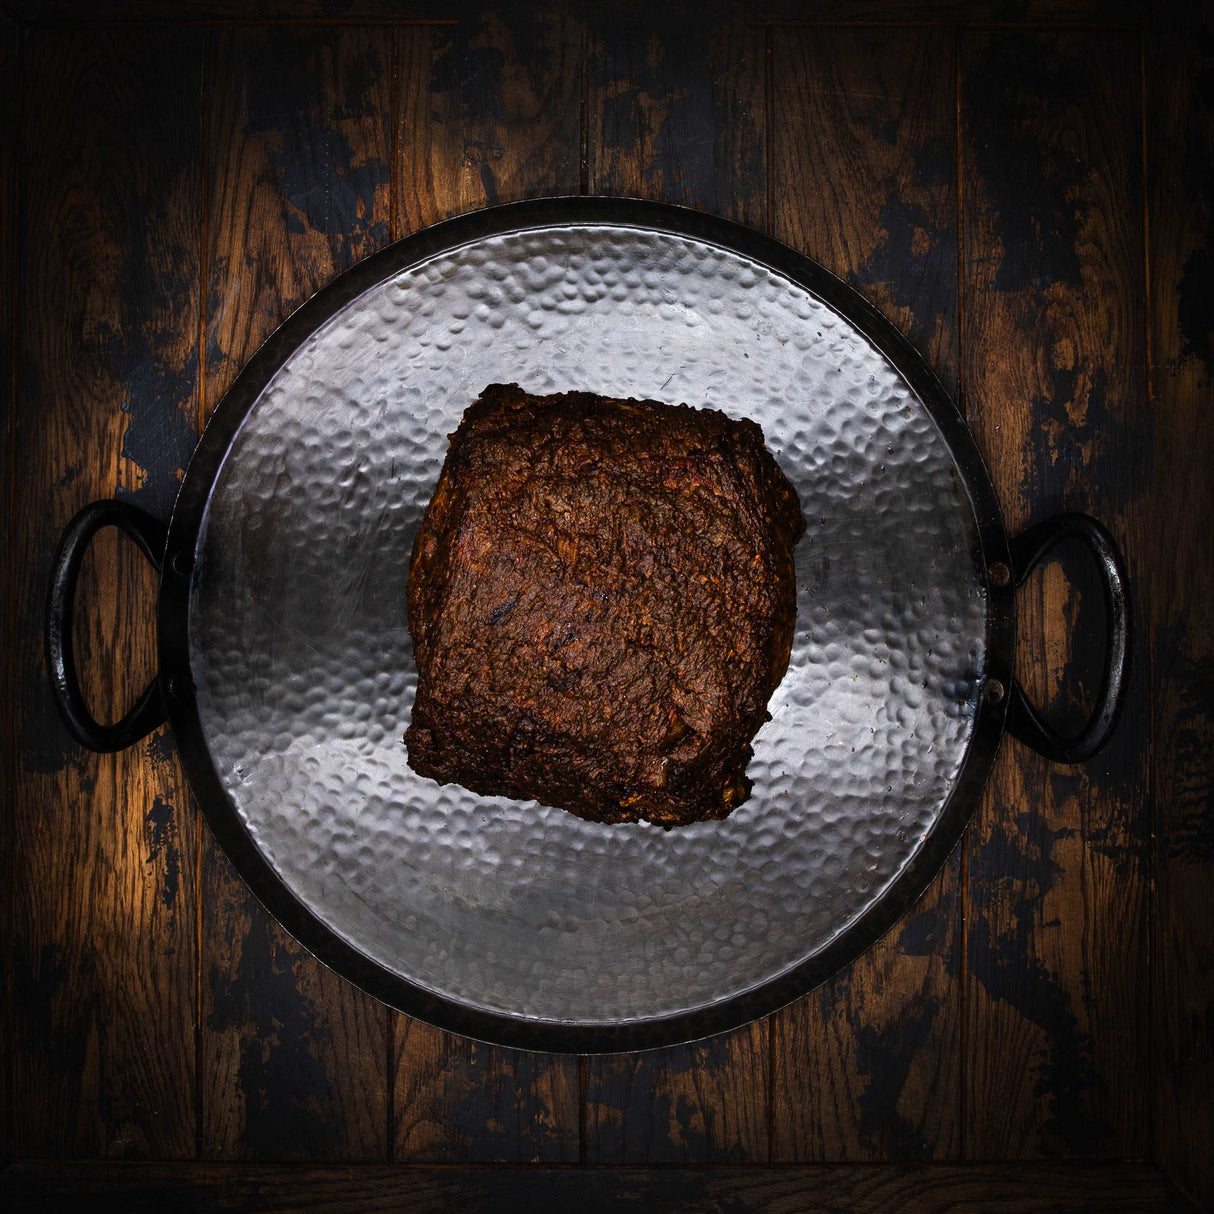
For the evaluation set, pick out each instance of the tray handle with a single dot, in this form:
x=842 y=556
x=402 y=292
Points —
x=1024 y=721
x=148 y=711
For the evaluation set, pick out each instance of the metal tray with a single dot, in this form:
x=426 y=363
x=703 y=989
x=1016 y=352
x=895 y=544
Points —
x=287 y=670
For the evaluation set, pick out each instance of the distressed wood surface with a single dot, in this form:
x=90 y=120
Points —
x=1025 y=1008
x=461 y=1101
x=489 y=112
x=1180 y=142
x=1053 y=379
x=294 y=1060
x=676 y=112
x=100 y=949
x=701 y=1103
x=838 y=1189
x=864 y=180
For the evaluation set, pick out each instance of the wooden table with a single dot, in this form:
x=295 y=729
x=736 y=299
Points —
x=1023 y=187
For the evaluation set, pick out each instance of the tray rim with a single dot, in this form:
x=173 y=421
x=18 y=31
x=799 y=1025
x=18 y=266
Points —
x=534 y=1033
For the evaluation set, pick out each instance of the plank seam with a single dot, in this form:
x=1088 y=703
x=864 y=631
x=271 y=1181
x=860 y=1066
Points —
x=390 y=1102
x=584 y=113
x=583 y=1117
x=1089 y=1166
x=394 y=92
x=1098 y=27
x=203 y=295
x=769 y=109
x=61 y=24
x=10 y=605
x=72 y=23
x=1152 y=792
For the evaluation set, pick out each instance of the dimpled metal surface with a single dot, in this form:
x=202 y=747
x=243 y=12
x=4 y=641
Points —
x=303 y=671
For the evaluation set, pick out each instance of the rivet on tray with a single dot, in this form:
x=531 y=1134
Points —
x=182 y=562
x=993 y=691
x=1000 y=574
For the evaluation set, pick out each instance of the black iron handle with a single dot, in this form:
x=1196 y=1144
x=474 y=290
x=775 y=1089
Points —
x=148 y=711
x=1028 y=551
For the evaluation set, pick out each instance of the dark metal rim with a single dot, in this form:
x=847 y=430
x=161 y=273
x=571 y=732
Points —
x=276 y=896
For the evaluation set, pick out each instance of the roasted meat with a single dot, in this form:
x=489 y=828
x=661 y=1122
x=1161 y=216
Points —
x=601 y=600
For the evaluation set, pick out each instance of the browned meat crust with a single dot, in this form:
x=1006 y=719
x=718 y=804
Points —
x=602 y=600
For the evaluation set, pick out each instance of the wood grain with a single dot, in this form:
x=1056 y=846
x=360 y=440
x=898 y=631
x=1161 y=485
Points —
x=1179 y=65
x=839 y=1189
x=675 y=112
x=101 y=955
x=864 y=170
x=1053 y=375
x=704 y=1102
x=462 y=1101
x=864 y=181
x=294 y=1059
x=489 y=112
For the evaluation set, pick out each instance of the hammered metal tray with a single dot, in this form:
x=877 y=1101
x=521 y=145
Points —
x=510 y=920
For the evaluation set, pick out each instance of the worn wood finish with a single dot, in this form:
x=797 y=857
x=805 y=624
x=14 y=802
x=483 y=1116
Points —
x=298 y=167
x=864 y=170
x=1179 y=65
x=675 y=112
x=1052 y=372
x=839 y=1189
x=864 y=180
x=869 y=1066
x=294 y=1060
x=704 y=1102
x=488 y=112
x=100 y=952
x=461 y=1101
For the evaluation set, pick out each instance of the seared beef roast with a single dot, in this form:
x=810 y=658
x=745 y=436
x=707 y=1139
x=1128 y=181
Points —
x=601 y=599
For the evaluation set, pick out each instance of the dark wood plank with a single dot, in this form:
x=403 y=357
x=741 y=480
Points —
x=864 y=181
x=838 y=1189
x=864 y=170
x=294 y=1059
x=1180 y=145
x=676 y=112
x=462 y=1101
x=101 y=848
x=704 y=1102
x=705 y=12
x=10 y=78
x=869 y=1066
x=1053 y=375
x=489 y=112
